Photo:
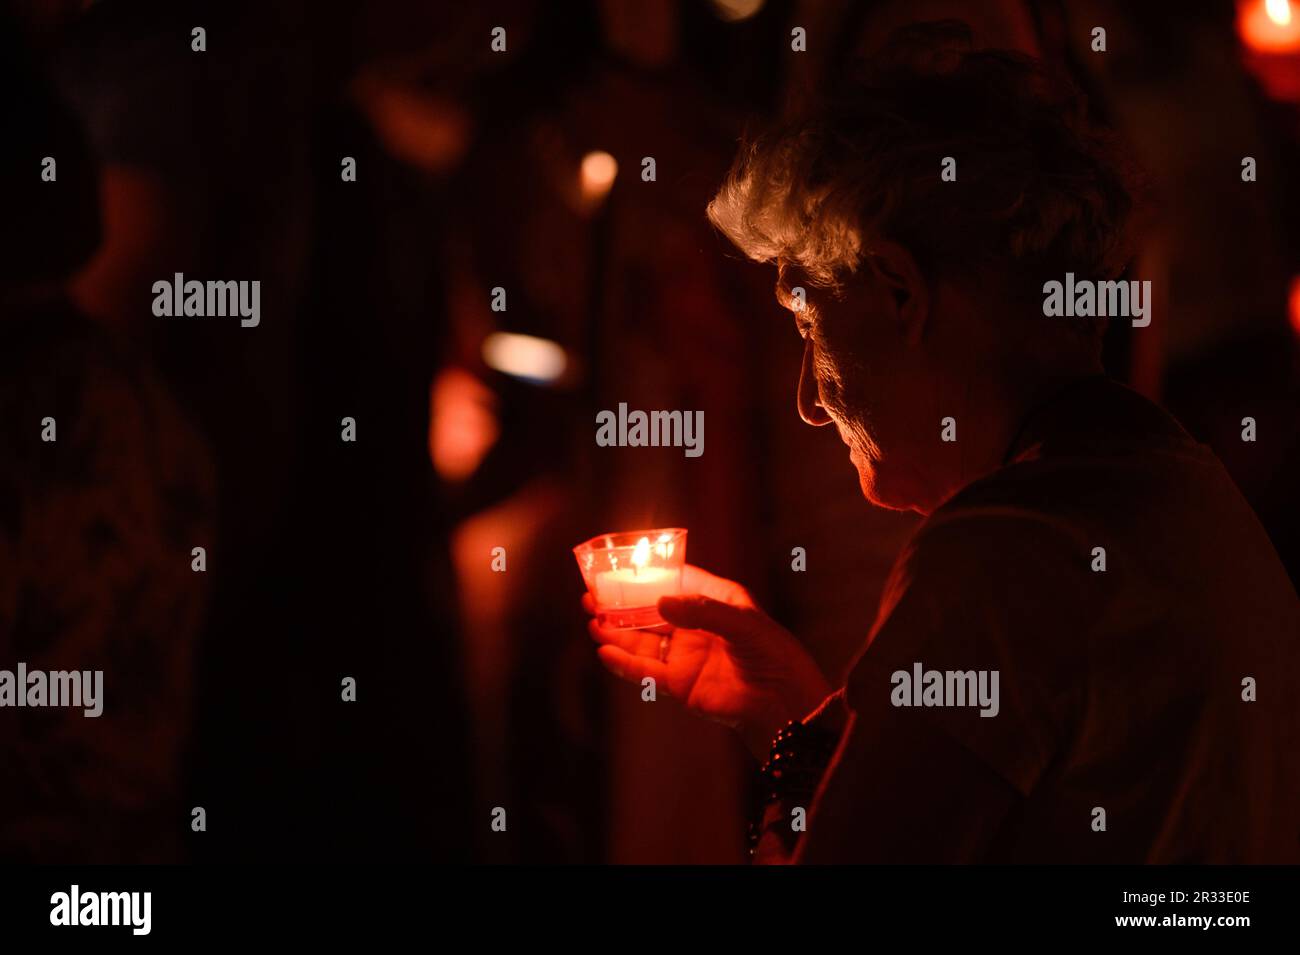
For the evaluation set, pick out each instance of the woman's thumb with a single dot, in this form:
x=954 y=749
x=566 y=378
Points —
x=697 y=612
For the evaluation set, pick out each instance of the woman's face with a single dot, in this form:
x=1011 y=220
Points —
x=860 y=374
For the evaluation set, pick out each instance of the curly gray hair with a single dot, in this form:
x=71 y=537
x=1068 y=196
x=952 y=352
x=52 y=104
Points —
x=1040 y=189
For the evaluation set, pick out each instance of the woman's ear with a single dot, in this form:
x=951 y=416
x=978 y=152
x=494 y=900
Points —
x=894 y=266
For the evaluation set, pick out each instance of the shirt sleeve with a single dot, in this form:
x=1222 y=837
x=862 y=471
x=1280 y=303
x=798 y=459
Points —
x=775 y=837
x=982 y=636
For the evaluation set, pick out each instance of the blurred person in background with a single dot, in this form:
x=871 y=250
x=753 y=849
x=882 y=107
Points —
x=105 y=486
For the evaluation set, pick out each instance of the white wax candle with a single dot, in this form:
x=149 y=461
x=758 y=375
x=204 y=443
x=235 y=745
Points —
x=628 y=587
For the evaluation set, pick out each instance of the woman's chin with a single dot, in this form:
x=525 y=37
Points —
x=878 y=490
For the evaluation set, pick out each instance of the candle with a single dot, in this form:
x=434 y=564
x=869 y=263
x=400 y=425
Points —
x=628 y=572
x=638 y=585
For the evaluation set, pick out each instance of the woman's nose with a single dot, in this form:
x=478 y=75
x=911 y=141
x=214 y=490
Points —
x=810 y=408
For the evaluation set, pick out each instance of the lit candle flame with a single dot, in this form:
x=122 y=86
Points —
x=1279 y=11
x=640 y=554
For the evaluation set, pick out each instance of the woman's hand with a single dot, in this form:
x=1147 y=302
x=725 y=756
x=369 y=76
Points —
x=727 y=660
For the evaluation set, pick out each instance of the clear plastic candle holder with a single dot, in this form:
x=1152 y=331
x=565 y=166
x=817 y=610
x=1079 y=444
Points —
x=627 y=572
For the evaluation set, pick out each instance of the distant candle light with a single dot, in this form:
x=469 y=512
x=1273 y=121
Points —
x=599 y=170
x=1295 y=304
x=1267 y=26
x=734 y=11
x=525 y=356
x=462 y=423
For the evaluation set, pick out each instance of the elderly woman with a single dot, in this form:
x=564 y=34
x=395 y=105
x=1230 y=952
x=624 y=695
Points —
x=1088 y=650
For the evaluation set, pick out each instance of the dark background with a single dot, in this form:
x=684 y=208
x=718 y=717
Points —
x=373 y=559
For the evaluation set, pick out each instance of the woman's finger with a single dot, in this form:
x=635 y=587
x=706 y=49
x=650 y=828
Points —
x=697 y=580
x=697 y=612
x=643 y=643
x=633 y=668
